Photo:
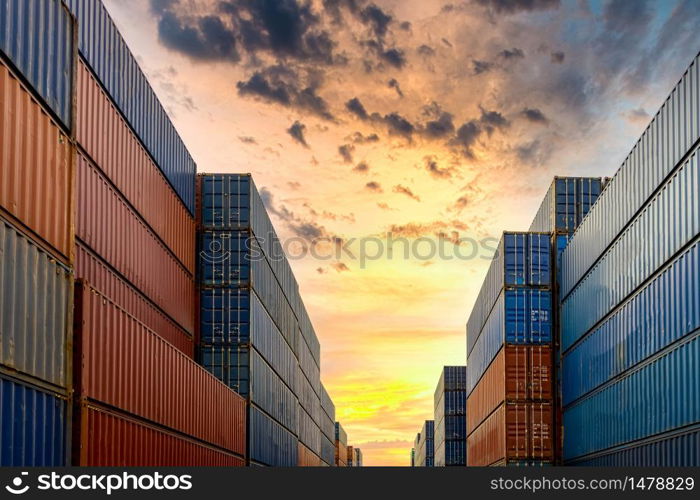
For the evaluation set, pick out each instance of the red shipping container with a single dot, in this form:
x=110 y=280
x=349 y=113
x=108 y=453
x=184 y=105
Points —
x=307 y=458
x=36 y=168
x=107 y=139
x=96 y=272
x=105 y=438
x=121 y=363
x=515 y=431
x=107 y=225
x=518 y=373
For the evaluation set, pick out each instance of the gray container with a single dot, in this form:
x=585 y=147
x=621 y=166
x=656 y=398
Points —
x=36 y=303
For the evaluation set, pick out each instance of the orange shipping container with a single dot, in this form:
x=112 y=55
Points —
x=36 y=168
x=518 y=373
x=107 y=225
x=340 y=454
x=105 y=136
x=307 y=458
x=515 y=431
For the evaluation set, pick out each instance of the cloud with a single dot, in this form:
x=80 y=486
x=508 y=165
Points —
x=398 y=125
x=394 y=84
x=515 y=6
x=459 y=205
x=384 y=206
x=480 y=67
x=533 y=153
x=377 y=19
x=321 y=270
x=557 y=57
x=510 y=54
x=492 y=120
x=534 y=115
x=356 y=108
x=426 y=50
x=406 y=191
x=466 y=138
x=435 y=170
x=359 y=138
x=293 y=185
x=441 y=126
x=374 y=187
x=361 y=167
x=206 y=40
x=638 y=115
x=340 y=267
x=247 y=139
x=297 y=132
x=346 y=151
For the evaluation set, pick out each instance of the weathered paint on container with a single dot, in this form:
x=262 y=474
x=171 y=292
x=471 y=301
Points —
x=520 y=316
x=269 y=443
x=106 y=438
x=110 y=59
x=660 y=395
x=107 y=225
x=671 y=134
x=521 y=259
x=106 y=137
x=515 y=431
x=667 y=224
x=340 y=456
x=38 y=37
x=567 y=202
x=663 y=312
x=33 y=426
x=36 y=167
x=307 y=397
x=518 y=373
x=98 y=273
x=307 y=458
x=327 y=451
x=450 y=409
x=327 y=405
x=309 y=432
x=108 y=341
x=674 y=449
x=350 y=456
x=35 y=309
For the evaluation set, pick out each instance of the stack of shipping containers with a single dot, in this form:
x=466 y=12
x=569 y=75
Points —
x=509 y=357
x=450 y=405
x=424 y=445
x=350 y=457
x=327 y=428
x=358 y=457
x=36 y=231
x=341 y=446
x=630 y=294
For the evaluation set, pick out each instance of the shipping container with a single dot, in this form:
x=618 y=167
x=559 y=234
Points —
x=107 y=438
x=108 y=341
x=425 y=449
x=107 y=225
x=340 y=434
x=108 y=56
x=98 y=273
x=309 y=432
x=38 y=37
x=662 y=146
x=34 y=430
x=450 y=408
x=327 y=405
x=340 y=456
x=515 y=431
x=668 y=223
x=327 y=451
x=521 y=259
x=518 y=373
x=350 y=456
x=660 y=395
x=35 y=309
x=521 y=316
x=567 y=202
x=307 y=458
x=663 y=312
x=358 y=457
x=522 y=463
x=674 y=449
x=36 y=166
x=269 y=443
x=107 y=139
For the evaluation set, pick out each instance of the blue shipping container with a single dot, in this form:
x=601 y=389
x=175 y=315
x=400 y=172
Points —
x=522 y=259
x=268 y=442
x=340 y=434
x=37 y=36
x=36 y=299
x=567 y=202
x=664 y=311
x=520 y=316
x=659 y=396
x=34 y=426
x=110 y=59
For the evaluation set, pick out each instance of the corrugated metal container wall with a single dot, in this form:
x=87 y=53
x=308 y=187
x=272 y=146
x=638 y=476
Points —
x=109 y=341
x=340 y=434
x=677 y=449
x=340 y=458
x=96 y=272
x=518 y=373
x=567 y=202
x=36 y=172
x=516 y=431
x=35 y=309
x=107 y=139
x=309 y=433
x=108 y=56
x=110 y=439
x=667 y=139
x=106 y=224
x=669 y=222
x=631 y=334
x=350 y=456
x=522 y=316
x=268 y=391
x=33 y=426
x=638 y=405
x=522 y=259
x=327 y=451
x=307 y=458
x=37 y=36
x=270 y=443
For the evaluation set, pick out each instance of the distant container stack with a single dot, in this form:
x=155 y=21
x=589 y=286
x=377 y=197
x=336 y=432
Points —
x=37 y=160
x=512 y=314
x=450 y=404
x=358 y=457
x=630 y=295
x=425 y=445
x=341 y=446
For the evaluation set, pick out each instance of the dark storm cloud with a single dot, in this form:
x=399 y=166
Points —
x=480 y=67
x=376 y=19
x=394 y=84
x=557 y=57
x=359 y=138
x=398 y=125
x=514 y=53
x=334 y=8
x=534 y=115
x=395 y=57
x=345 y=151
x=513 y=6
x=357 y=108
x=297 y=132
x=308 y=230
x=441 y=127
x=466 y=138
x=209 y=39
x=492 y=120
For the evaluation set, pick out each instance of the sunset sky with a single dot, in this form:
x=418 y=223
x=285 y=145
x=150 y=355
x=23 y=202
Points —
x=429 y=120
